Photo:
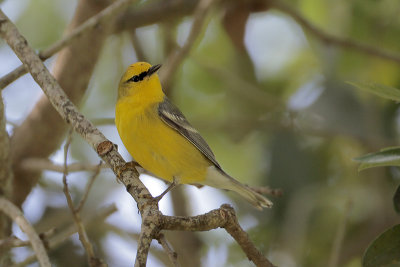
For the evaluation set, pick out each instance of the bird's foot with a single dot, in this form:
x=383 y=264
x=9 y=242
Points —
x=170 y=187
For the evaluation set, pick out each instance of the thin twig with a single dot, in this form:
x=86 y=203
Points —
x=16 y=215
x=137 y=46
x=35 y=164
x=172 y=255
x=176 y=57
x=331 y=39
x=13 y=241
x=88 y=187
x=95 y=21
x=92 y=260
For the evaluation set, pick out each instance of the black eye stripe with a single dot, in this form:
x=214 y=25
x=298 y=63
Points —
x=142 y=75
x=138 y=78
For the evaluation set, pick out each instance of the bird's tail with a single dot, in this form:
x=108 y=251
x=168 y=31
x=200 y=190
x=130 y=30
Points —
x=217 y=178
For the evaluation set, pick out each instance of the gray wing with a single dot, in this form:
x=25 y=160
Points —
x=174 y=118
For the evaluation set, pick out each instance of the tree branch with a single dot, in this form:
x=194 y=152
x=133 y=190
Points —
x=330 y=39
x=224 y=217
x=149 y=230
x=16 y=215
x=156 y=12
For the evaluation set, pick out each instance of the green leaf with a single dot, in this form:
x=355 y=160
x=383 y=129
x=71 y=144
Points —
x=381 y=90
x=385 y=157
x=385 y=250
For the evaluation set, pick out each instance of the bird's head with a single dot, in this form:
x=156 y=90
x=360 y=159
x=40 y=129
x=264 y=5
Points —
x=140 y=77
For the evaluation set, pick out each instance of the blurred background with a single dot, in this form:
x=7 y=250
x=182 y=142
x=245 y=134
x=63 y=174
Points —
x=265 y=83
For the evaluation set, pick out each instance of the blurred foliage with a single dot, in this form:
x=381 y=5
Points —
x=296 y=125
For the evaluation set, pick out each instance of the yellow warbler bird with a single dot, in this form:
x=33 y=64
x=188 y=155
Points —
x=161 y=140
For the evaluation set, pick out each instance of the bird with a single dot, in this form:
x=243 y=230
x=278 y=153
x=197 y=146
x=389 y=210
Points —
x=162 y=141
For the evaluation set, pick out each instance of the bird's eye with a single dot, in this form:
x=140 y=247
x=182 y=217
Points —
x=134 y=79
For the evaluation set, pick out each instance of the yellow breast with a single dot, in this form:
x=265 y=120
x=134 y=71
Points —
x=157 y=147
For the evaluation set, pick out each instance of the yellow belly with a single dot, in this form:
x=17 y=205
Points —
x=157 y=147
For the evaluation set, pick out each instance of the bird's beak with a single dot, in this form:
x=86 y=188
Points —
x=153 y=69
